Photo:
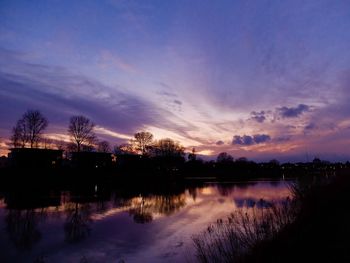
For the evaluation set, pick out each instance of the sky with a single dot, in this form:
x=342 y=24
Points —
x=260 y=79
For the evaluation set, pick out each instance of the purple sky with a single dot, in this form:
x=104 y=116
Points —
x=261 y=79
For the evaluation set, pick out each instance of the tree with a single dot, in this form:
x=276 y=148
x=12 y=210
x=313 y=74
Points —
x=143 y=140
x=35 y=123
x=81 y=131
x=19 y=137
x=124 y=149
x=192 y=156
x=169 y=148
x=274 y=162
x=242 y=160
x=104 y=147
x=224 y=157
x=29 y=129
x=47 y=143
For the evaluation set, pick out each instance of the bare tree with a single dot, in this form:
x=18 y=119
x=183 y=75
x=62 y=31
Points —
x=29 y=129
x=61 y=145
x=19 y=138
x=143 y=140
x=81 y=130
x=35 y=123
x=104 y=147
x=47 y=143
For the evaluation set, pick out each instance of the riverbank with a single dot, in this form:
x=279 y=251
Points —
x=313 y=227
x=320 y=232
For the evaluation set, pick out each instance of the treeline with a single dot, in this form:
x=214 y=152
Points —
x=29 y=133
x=143 y=153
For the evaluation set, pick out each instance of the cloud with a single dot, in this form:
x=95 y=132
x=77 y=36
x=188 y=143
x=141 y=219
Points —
x=261 y=138
x=178 y=102
x=219 y=143
x=282 y=139
x=310 y=126
x=286 y=112
x=248 y=140
x=59 y=94
x=258 y=116
x=107 y=59
x=242 y=140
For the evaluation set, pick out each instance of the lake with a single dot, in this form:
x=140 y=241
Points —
x=101 y=223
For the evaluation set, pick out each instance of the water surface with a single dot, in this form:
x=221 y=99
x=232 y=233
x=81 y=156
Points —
x=97 y=224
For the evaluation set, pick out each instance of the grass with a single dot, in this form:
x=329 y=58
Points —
x=231 y=239
x=313 y=226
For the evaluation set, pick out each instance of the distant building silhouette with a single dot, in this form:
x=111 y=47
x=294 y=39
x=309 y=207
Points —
x=124 y=160
x=35 y=158
x=3 y=162
x=91 y=160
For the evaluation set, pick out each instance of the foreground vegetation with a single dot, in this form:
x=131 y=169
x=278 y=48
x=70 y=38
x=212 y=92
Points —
x=311 y=227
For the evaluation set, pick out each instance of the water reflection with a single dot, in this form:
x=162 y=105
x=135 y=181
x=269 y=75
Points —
x=22 y=226
x=143 y=209
x=76 y=226
x=138 y=222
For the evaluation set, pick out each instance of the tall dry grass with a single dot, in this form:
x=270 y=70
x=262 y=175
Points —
x=231 y=239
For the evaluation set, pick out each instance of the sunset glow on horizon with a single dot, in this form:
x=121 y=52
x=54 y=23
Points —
x=260 y=79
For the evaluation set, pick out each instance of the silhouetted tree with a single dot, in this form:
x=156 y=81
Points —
x=61 y=145
x=224 y=157
x=125 y=148
x=242 y=160
x=192 y=156
x=143 y=140
x=274 y=162
x=47 y=142
x=29 y=129
x=19 y=138
x=81 y=130
x=169 y=148
x=316 y=160
x=103 y=147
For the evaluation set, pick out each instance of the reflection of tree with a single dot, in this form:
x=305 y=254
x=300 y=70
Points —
x=193 y=193
x=140 y=210
x=225 y=189
x=22 y=227
x=169 y=204
x=101 y=206
x=144 y=208
x=76 y=226
x=142 y=217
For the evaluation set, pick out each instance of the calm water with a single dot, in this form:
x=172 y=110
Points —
x=100 y=225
